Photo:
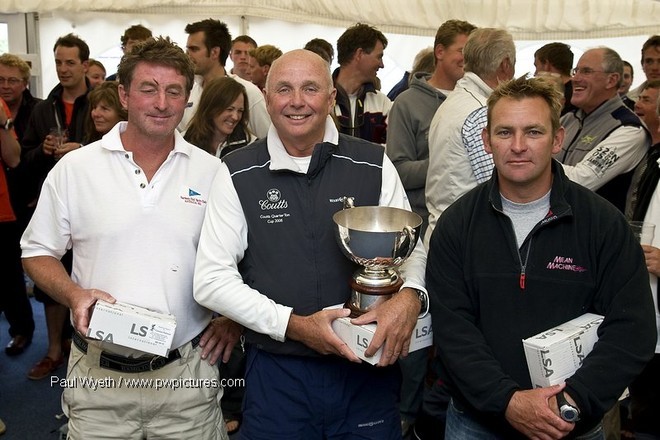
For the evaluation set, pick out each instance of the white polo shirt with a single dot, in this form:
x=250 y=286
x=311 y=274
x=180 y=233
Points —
x=134 y=239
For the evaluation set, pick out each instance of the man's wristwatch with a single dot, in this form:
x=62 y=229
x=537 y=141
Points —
x=9 y=124
x=567 y=411
x=424 y=300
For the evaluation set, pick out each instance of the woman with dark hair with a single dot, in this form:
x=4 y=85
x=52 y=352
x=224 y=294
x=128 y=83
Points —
x=105 y=111
x=219 y=125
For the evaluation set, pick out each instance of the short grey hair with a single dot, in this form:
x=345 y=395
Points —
x=612 y=63
x=485 y=50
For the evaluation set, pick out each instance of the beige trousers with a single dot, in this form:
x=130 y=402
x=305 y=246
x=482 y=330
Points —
x=180 y=400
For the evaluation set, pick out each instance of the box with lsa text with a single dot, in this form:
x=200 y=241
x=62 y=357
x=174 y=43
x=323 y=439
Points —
x=133 y=327
x=358 y=337
x=555 y=354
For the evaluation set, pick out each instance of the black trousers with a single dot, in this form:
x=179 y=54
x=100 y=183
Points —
x=645 y=399
x=14 y=301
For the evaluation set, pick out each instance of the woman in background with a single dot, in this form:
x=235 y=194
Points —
x=105 y=111
x=220 y=123
x=95 y=73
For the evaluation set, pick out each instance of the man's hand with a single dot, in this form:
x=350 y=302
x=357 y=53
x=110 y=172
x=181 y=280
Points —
x=219 y=339
x=652 y=256
x=81 y=302
x=396 y=319
x=535 y=414
x=315 y=331
x=50 y=145
x=65 y=148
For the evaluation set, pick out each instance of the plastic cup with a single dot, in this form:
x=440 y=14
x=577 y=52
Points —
x=60 y=135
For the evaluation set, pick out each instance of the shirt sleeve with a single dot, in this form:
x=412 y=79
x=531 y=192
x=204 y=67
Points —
x=48 y=233
x=481 y=162
x=218 y=285
x=619 y=153
x=259 y=118
x=402 y=147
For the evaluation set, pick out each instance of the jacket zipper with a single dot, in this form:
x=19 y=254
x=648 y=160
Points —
x=523 y=265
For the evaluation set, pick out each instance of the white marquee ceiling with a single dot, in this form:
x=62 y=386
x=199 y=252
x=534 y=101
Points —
x=525 y=19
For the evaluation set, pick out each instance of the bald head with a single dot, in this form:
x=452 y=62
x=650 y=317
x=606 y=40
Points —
x=299 y=96
x=308 y=60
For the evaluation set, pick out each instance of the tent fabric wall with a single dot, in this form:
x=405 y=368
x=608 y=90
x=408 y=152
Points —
x=525 y=19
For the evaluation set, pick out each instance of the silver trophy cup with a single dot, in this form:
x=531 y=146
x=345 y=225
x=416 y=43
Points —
x=379 y=239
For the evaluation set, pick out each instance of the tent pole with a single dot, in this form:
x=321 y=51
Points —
x=244 y=26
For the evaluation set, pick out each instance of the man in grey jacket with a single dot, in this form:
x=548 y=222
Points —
x=408 y=148
x=411 y=114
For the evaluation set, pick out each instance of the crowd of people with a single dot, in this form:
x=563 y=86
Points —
x=207 y=193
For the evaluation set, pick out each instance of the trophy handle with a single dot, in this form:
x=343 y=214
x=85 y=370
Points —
x=349 y=202
x=404 y=243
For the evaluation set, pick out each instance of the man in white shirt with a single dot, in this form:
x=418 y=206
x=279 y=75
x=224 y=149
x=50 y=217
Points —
x=268 y=259
x=457 y=160
x=240 y=56
x=208 y=46
x=131 y=206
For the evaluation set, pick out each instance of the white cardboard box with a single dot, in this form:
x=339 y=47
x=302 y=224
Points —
x=132 y=326
x=358 y=337
x=555 y=354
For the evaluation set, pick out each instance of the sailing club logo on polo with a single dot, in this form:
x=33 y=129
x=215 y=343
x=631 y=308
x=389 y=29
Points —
x=191 y=196
x=273 y=202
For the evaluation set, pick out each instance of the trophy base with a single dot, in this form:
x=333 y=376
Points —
x=366 y=298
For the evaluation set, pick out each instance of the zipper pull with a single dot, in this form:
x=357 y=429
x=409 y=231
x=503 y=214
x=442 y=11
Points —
x=242 y=340
x=522 y=280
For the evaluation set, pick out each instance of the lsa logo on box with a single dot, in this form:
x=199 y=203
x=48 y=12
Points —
x=99 y=334
x=547 y=363
x=423 y=331
x=142 y=330
x=362 y=341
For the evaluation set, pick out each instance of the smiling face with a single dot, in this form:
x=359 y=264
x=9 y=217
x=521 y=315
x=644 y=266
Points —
x=645 y=107
x=450 y=59
x=522 y=143
x=591 y=84
x=225 y=122
x=70 y=69
x=104 y=117
x=299 y=96
x=95 y=75
x=12 y=85
x=155 y=100
x=370 y=63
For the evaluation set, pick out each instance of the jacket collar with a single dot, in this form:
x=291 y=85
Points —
x=112 y=140
x=559 y=206
x=280 y=159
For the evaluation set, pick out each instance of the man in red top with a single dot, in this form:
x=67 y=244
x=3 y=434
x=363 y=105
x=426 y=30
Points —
x=65 y=108
x=14 y=301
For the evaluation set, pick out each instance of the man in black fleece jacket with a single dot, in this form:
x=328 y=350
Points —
x=522 y=253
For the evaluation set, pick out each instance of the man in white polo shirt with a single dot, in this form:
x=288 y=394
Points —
x=131 y=206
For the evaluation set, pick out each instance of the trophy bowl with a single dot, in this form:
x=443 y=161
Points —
x=380 y=239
